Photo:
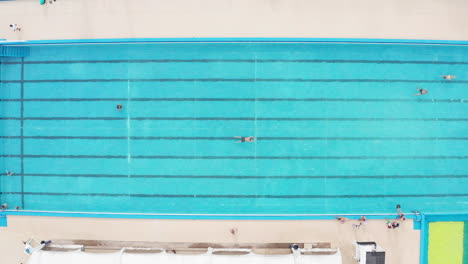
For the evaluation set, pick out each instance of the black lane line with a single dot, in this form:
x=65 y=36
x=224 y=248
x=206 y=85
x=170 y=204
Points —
x=229 y=138
x=233 y=157
x=255 y=196
x=243 y=177
x=22 y=134
x=239 y=118
x=234 y=80
x=243 y=61
x=234 y=100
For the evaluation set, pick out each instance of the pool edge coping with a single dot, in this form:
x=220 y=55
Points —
x=234 y=40
x=429 y=217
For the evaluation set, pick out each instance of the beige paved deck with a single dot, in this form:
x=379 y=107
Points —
x=401 y=245
x=409 y=19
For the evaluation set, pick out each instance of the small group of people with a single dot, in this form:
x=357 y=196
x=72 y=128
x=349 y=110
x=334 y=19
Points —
x=390 y=224
x=446 y=77
x=361 y=221
x=400 y=217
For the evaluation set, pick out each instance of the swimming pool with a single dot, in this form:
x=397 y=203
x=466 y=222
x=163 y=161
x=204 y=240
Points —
x=338 y=126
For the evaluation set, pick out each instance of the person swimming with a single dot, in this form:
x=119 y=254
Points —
x=119 y=107
x=245 y=139
x=448 y=77
x=422 y=91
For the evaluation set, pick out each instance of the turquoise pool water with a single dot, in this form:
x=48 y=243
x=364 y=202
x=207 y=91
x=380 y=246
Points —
x=339 y=128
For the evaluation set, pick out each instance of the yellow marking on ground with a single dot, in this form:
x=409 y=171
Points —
x=446 y=243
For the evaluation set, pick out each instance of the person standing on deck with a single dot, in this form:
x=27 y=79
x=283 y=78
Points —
x=389 y=223
x=15 y=27
x=395 y=225
x=400 y=216
x=342 y=219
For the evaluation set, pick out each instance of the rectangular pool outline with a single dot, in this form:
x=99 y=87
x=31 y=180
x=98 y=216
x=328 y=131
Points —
x=215 y=40
x=207 y=40
x=424 y=219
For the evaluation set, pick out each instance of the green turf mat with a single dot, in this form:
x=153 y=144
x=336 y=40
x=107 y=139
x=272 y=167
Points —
x=465 y=244
x=446 y=242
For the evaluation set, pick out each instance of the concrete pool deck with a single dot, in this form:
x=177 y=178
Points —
x=87 y=19
x=401 y=245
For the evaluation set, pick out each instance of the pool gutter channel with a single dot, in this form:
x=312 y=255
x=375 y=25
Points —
x=233 y=40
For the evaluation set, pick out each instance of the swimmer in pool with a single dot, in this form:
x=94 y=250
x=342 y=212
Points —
x=421 y=91
x=448 y=77
x=245 y=139
x=119 y=107
x=9 y=173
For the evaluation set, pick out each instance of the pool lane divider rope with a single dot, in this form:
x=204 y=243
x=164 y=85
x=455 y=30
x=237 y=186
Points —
x=232 y=157
x=235 y=80
x=22 y=133
x=418 y=100
x=242 y=61
x=240 y=196
x=228 y=138
x=239 y=177
x=242 y=118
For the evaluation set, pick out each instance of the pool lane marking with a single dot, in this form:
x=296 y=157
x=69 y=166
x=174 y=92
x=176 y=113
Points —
x=245 y=177
x=231 y=157
x=240 y=118
x=228 y=138
x=22 y=134
x=248 y=196
x=234 y=80
x=234 y=100
x=242 y=61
